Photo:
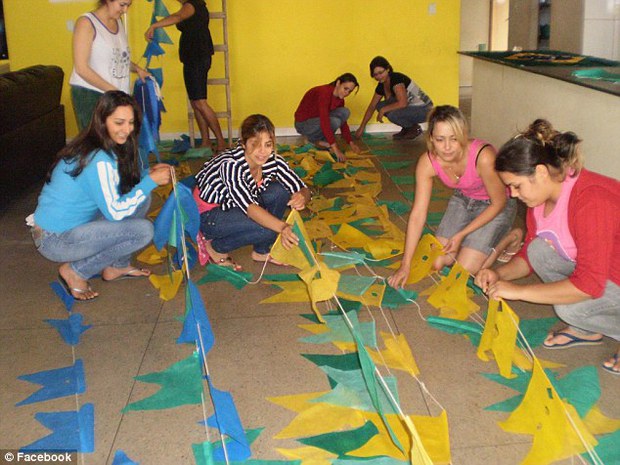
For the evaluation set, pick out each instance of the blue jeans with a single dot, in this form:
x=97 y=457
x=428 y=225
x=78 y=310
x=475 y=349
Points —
x=311 y=128
x=600 y=315
x=405 y=117
x=91 y=247
x=228 y=230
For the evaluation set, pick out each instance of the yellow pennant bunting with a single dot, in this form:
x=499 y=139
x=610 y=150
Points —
x=555 y=425
x=337 y=216
x=301 y=256
x=322 y=284
x=324 y=155
x=373 y=189
x=380 y=249
x=397 y=354
x=451 y=295
x=322 y=418
x=168 y=285
x=309 y=455
x=500 y=336
x=522 y=361
x=372 y=297
x=349 y=237
x=297 y=402
x=152 y=256
x=310 y=165
x=427 y=251
x=319 y=203
x=598 y=423
x=318 y=229
x=361 y=163
x=295 y=291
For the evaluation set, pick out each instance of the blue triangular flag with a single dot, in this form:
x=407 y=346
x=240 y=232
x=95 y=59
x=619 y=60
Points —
x=70 y=329
x=64 y=296
x=158 y=74
x=120 y=458
x=181 y=198
x=59 y=382
x=196 y=314
x=160 y=9
x=71 y=431
x=226 y=419
x=153 y=49
x=161 y=36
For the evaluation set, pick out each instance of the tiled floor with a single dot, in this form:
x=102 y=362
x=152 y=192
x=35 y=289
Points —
x=257 y=354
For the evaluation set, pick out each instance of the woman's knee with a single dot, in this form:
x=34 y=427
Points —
x=144 y=232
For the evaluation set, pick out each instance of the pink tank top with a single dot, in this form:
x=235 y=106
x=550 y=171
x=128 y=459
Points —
x=470 y=184
x=553 y=228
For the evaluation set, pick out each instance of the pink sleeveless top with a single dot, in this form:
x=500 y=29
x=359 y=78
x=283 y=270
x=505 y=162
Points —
x=470 y=184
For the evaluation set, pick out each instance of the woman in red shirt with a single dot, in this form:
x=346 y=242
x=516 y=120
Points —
x=572 y=241
x=321 y=112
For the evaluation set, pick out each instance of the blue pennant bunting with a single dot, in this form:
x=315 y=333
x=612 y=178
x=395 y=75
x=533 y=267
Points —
x=70 y=329
x=196 y=315
x=178 y=206
x=160 y=9
x=153 y=49
x=161 y=36
x=120 y=458
x=71 y=431
x=226 y=419
x=65 y=297
x=59 y=382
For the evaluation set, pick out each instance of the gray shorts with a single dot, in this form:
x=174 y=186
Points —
x=463 y=210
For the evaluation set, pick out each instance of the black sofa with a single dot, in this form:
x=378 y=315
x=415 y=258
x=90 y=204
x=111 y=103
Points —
x=32 y=127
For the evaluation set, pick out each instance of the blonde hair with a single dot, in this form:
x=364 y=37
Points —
x=453 y=117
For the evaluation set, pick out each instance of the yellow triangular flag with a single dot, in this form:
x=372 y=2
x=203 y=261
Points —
x=500 y=336
x=168 y=285
x=450 y=295
x=426 y=253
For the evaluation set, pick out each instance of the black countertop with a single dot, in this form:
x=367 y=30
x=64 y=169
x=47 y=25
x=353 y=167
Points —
x=557 y=65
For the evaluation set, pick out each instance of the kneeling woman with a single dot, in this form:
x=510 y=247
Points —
x=90 y=214
x=479 y=213
x=572 y=241
x=321 y=112
x=243 y=194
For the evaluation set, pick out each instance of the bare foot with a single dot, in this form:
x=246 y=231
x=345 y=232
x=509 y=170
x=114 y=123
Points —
x=111 y=274
x=77 y=286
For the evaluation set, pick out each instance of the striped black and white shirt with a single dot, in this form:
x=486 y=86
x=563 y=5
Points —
x=226 y=179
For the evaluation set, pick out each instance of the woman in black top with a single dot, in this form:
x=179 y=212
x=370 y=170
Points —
x=397 y=98
x=195 y=51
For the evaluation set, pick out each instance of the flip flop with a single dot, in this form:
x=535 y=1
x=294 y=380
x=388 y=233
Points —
x=611 y=368
x=573 y=341
x=228 y=262
x=130 y=275
x=71 y=290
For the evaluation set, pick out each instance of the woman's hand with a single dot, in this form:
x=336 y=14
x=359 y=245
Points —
x=453 y=245
x=356 y=148
x=504 y=290
x=298 y=200
x=399 y=279
x=150 y=32
x=341 y=157
x=288 y=238
x=359 y=133
x=161 y=173
x=380 y=115
x=486 y=278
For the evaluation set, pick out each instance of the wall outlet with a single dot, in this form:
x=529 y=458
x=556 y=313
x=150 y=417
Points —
x=432 y=8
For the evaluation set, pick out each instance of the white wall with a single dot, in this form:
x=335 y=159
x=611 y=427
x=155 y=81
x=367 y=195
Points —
x=601 y=29
x=474 y=33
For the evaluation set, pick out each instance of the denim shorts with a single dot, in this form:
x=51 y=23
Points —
x=463 y=210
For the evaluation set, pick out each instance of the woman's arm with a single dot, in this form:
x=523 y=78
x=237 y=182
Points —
x=300 y=199
x=83 y=37
x=186 y=11
x=423 y=190
x=267 y=220
x=400 y=92
x=376 y=98
x=555 y=293
x=497 y=194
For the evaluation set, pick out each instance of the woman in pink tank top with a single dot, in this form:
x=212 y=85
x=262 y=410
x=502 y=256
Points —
x=479 y=213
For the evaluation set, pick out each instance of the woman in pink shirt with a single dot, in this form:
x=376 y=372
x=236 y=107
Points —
x=479 y=213
x=572 y=241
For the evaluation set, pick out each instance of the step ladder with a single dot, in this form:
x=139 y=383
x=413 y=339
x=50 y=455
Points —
x=223 y=81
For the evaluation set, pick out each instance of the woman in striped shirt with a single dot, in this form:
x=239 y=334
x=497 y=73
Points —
x=242 y=195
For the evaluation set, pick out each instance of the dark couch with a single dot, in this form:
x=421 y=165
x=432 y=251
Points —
x=32 y=127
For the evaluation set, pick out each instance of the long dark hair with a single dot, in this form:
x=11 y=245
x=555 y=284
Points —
x=540 y=144
x=346 y=77
x=95 y=136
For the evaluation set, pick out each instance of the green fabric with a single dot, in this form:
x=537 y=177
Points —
x=339 y=331
x=396 y=165
x=197 y=152
x=597 y=74
x=301 y=172
x=224 y=273
x=84 y=102
x=472 y=330
x=398 y=207
x=281 y=277
x=434 y=218
x=335 y=260
x=326 y=175
x=304 y=148
x=342 y=442
x=408 y=195
x=344 y=362
x=406 y=180
x=181 y=384
x=355 y=285
x=394 y=298
x=203 y=453
x=536 y=330
x=607 y=449
x=283 y=148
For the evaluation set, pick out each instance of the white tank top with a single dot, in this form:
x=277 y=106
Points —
x=109 y=56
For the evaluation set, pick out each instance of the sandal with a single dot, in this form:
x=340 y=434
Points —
x=610 y=365
x=507 y=255
x=228 y=262
x=72 y=291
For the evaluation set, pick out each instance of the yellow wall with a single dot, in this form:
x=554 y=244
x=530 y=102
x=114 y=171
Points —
x=278 y=49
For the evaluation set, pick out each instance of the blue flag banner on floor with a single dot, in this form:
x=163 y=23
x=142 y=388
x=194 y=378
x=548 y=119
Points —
x=196 y=316
x=227 y=420
x=179 y=210
x=120 y=458
x=59 y=382
x=71 y=431
x=62 y=294
x=70 y=329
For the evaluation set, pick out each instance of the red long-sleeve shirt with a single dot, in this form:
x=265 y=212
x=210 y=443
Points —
x=594 y=223
x=318 y=102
